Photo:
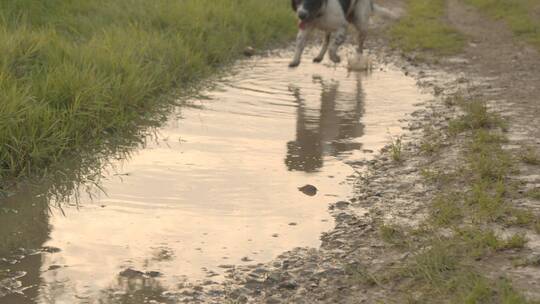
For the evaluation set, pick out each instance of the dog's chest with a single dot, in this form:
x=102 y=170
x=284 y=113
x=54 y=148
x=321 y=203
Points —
x=333 y=16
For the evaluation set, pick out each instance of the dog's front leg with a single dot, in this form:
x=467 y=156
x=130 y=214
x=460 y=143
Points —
x=301 y=40
x=326 y=42
x=339 y=39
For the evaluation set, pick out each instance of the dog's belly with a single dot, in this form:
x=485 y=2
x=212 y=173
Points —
x=333 y=17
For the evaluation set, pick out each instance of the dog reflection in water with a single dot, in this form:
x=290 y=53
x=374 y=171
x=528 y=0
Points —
x=325 y=127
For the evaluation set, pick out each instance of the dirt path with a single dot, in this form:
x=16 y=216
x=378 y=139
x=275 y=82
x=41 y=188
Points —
x=513 y=71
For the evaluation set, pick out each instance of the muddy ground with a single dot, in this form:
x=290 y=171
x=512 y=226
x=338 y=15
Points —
x=494 y=65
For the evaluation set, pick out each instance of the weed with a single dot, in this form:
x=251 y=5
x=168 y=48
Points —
x=516 y=241
x=359 y=274
x=392 y=234
x=534 y=193
x=478 y=242
x=396 y=149
x=519 y=217
x=476 y=117
x=446 y=210
x=530 y=156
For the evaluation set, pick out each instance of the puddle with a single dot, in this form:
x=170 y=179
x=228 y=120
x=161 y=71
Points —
x=217 y=186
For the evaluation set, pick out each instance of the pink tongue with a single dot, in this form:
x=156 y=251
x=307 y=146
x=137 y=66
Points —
x=302 y=24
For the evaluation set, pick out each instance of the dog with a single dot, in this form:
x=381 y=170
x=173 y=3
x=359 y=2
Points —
x=333 y=18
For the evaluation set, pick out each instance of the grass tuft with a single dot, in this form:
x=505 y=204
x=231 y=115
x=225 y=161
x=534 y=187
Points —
x=517 y=14
x=534 y=193
x=530 y=156
x=396 y=149
x=424 y=29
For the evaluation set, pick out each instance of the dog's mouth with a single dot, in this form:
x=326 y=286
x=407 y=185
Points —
x=302 y=24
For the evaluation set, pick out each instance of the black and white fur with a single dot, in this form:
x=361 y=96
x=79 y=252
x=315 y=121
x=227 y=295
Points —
x=333 y=18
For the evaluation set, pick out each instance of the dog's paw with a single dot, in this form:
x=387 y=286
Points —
x=317 y=59
x=294 y=64
x=335 y=58
x=360 y=63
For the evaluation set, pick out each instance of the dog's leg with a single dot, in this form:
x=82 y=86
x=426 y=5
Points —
x=326 y=42
x=339 y=38
x=361 y=22
x=301 y=40
x=362 y=35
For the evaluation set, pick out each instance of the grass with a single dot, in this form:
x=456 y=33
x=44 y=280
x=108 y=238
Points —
x=396 y=149
x=425 y=29
x=518 y=14
x=530 y=156
x=392 y=234
x=448 y=250
x=75 y=75
x=534 y=193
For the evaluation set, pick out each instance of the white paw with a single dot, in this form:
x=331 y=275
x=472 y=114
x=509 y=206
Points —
x=360 y=63
x=294 y=64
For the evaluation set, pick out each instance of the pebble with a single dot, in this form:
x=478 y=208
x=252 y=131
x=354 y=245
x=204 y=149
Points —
x=308 y=190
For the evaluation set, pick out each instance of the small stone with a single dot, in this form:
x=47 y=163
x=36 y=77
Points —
x=131 y=273
x=49 y=249
x=154 y=274
x=342 y=204
x=249 y=51
x=273 y=300
x=54 y=267
x=308 y=190
x=246 y=259
x=288 y=285
x=275 y=235
x=293 y=224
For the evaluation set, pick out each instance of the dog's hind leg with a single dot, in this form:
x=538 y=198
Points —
x=362 y=35
x=301 y=40
x=339 y=39
x=326 y=42
x=361 y=22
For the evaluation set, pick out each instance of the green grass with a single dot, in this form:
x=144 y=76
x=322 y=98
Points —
x=534 y=193
x=425 y=29
x=396 y=149
x=392 y=234
x=457 y=236
x=530 y=156
x=75 y=75
x=517 y=14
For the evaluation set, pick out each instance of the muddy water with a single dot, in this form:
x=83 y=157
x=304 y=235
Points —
x=218 y=185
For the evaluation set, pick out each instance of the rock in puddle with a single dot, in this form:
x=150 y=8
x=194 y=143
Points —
x=131 y=273
x=49 y=249
x=54 y=267
x=308 y=190
x=246 y=259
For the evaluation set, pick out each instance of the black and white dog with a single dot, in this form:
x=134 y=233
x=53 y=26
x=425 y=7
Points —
x=333 y=18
